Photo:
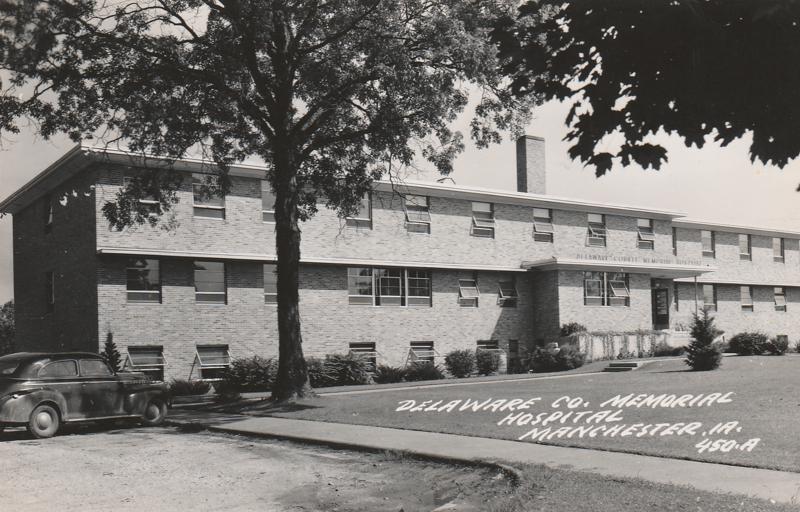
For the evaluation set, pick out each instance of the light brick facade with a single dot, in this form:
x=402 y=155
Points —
x=89 y=262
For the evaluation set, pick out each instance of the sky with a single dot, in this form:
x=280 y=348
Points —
x=713 y=183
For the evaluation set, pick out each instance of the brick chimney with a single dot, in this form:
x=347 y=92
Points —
x=530 y=165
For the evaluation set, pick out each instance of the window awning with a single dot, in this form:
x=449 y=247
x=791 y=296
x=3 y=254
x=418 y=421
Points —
x=634 y=266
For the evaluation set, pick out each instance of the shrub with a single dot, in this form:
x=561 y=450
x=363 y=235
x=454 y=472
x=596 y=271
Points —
x=337 y=370
x=181 y=387
x=388 y=374
x=572 y=328
x=565 y=358
x=423 y=370
x=702 y=355
x=797 y=347
x=777 y=347
x=663 y=350
x=488 y=361
x=248 y=375
x=460 y=363
x=749 y=343
x=111 y=354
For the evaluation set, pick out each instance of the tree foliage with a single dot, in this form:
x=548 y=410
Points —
x=330 y=95
x=111 y=354
x=702 y=354
x=7 y=329
x=698 y=69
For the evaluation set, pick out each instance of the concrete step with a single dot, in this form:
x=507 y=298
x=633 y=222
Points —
x=617 y=369
x=625 y=364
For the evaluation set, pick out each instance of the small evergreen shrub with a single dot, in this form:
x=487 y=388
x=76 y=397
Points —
x=777 y=347
x=181 y=387
x=572 y=328
x=569 y=358
x=423 y=370
x=249 y=375
x=111 y=354
x=661 y=349
x=702 y=354
x=460 y=363
x=488 y=361
x=749 y=343
x=548 y=360
x=388 y=374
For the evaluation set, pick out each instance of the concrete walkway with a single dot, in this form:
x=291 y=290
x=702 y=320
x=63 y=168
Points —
x=761 y=483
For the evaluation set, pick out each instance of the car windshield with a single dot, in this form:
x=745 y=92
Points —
x=8 y=367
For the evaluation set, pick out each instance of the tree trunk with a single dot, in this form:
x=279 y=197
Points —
x=292 y=380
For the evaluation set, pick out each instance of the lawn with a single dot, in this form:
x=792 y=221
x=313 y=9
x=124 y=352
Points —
x=756 y=398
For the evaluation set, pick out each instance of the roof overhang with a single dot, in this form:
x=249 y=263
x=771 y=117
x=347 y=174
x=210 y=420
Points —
x=270 y=258
x=733 y=228
x=742 y=282
x=654 y=269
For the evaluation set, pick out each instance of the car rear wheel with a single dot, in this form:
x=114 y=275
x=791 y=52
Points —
x=43 y=422
x=154 y=413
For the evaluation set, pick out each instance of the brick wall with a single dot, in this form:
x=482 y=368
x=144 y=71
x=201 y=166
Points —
x=68 y=251
x=249 y=326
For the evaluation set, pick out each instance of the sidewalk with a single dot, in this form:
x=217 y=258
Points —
x=760 y=483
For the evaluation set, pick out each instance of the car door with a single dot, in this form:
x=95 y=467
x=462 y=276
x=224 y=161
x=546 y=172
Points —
x=62 y=377
x=100 y=389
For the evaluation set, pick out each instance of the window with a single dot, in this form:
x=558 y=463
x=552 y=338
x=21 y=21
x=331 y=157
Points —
x=419 y=287
x=780 y=298
x=674 y=241
x=709 y=296
x=675 y=296
x=359 y=286
x=211 y=360
x=209 y=282
x=606 y=289
x=95 y=368
x=468 y=293
x=418 y=216
x=50 y=290
x=267 y=202
x=368 y=352
x=508 y=295
x=543 y=225
x=208 y=202
x=745 y=247
x=146 y=359
x=149 y=200
x=746 y=293
x=596 y=234
x=48 y=214
x=778 y=250
x=59 y=369
x=270 y=283
x=422 y=351
x=363 y=217
x=647 y=237
x=707 y=242
x=482 y=220
x=488 y=345
x=143 y=280
x=389 y=287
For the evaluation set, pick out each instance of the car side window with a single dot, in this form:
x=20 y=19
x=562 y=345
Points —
x=58 y=369
x=95 y=368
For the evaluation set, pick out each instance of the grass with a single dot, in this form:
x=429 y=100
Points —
x=765 y=404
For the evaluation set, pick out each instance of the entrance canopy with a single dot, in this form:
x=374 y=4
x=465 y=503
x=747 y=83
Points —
x=654 y=267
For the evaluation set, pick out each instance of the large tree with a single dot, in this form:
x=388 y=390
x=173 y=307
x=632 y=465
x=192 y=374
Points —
x=698 y=69
x=7 y=328
x=330 y=94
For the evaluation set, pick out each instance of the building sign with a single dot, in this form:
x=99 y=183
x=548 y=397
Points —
x=639 y=259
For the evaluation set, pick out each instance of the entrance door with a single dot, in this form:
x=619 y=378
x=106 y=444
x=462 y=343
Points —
x=660 y=302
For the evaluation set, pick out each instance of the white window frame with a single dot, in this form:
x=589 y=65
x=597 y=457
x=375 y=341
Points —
x=612 y=292
x=380 y=278
x=509 y=296
x=198 y=180
x=543 y=229
x=367 y=350
x=646 y=232
x=483 y=221
x=151 y=201
x=361 y=299
x=468 y=293
x=746 y=256
x=223 y=294
x=156 y=365
x=779 y=293
x=131 y=295
x=422 y=351
x=362 y=222
x=712 y=252
x=418 y=215
x=417 y=300
x=781 y=247
x=270 y=297
x=207 y=365
x=712 y=306
x=267 y=214
x=746 y=297
x=596 y=234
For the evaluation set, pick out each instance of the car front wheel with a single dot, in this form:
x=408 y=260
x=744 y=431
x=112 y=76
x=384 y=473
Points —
x=43 y=422
x=154 y=413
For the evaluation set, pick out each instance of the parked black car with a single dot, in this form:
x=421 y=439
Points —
x=43 y=391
